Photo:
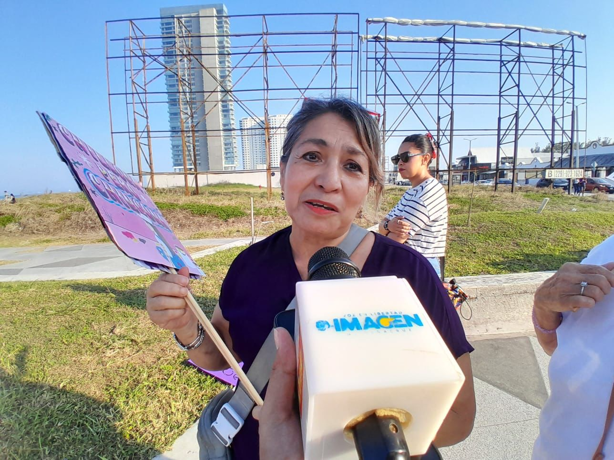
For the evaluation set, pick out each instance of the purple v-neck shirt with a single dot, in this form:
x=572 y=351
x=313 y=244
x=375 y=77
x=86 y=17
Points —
x=261 y=282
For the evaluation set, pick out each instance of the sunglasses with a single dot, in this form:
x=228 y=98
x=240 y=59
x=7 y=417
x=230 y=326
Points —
x=404 y=157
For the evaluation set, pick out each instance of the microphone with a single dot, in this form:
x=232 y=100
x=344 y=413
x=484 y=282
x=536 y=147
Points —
x=331 y=263
x=375 y=378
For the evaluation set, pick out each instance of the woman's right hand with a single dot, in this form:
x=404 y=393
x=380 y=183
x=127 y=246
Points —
x=166 y=302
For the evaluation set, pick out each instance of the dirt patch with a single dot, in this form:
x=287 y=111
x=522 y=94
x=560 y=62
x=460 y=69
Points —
x=194 y=249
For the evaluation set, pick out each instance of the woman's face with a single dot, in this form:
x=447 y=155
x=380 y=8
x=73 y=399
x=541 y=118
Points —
x=326 y=178
x=415 y=166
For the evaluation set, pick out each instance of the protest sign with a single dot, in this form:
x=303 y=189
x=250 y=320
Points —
x=131 y=219
x=136 y=225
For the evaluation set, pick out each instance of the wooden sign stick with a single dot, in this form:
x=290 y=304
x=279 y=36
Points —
x=221 y=346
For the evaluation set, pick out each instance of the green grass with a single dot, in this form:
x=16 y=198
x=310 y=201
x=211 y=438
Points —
x=269 y=212
x=63 y=207
x=7 y=219
x=222 y=210
x=202 y=209
x=506 y=235
x=84 y=374
x=513 y=242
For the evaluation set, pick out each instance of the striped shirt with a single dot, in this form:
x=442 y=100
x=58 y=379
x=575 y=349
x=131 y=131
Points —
x=426 y=209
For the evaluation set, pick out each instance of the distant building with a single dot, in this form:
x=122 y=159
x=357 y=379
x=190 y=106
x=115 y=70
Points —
x=599 y=164
x=253 y=140
x=481 y=163
x=202 y=32
x=595 y=156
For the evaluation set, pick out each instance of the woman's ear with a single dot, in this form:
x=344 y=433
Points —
x=282 y=174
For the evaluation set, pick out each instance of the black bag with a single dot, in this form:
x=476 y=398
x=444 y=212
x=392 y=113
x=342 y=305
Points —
x=210 y=446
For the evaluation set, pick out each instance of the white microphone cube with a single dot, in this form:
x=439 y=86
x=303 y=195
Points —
x=365 y=344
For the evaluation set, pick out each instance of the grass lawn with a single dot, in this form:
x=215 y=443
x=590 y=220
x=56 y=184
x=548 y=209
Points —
x=506 y=235
x=84 y=374
x=514 y=242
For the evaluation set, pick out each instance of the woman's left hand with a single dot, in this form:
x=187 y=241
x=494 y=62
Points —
x=398 y=237
x=399 y=225
x=573 y=287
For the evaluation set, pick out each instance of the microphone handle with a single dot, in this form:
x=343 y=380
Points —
x=380 y=437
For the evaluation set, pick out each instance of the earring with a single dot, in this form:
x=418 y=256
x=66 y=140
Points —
x=282 y=196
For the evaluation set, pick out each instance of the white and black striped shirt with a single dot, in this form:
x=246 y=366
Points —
x=426 y=209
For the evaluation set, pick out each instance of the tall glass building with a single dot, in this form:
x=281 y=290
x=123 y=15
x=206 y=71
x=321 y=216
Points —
x=253 y=140
x=196 y=47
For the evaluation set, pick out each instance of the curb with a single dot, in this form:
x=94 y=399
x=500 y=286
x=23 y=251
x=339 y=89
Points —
x=500 y=304
x=223 y=247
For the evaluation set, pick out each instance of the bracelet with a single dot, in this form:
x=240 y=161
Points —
x=541 y=329
x=197 y=342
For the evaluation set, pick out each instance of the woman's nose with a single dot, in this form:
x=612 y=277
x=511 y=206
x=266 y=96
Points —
x=329 y=177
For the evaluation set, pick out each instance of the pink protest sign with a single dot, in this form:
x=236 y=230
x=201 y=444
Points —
x=131 y=219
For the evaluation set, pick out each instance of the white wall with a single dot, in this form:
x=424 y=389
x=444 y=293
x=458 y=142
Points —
x=205 y=178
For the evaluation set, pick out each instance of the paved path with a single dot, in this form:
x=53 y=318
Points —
x=87 y=261
x=511 y=378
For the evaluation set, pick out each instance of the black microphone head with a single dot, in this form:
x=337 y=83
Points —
x=330 y=263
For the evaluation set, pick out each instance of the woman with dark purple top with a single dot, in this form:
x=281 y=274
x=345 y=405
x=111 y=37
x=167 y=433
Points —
x=330 y=162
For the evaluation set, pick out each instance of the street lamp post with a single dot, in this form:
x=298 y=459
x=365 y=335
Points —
x=576 y=130
x=470 y=139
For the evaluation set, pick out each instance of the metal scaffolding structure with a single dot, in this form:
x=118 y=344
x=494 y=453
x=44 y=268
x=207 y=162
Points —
x=429 y=83
x=249 y=66
x=181 y=84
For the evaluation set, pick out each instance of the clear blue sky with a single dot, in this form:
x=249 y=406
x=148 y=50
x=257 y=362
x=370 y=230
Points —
x=53 y=60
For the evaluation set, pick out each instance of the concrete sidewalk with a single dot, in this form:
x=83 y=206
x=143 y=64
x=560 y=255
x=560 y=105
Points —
x=87 y=261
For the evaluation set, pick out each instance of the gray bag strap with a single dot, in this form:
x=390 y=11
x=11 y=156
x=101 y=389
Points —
x=260 y=370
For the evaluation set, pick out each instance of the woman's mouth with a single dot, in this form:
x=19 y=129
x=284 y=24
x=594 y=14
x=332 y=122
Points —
x=321 y=207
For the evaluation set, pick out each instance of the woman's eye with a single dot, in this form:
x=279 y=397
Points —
x=354 y=167
x=310 y=156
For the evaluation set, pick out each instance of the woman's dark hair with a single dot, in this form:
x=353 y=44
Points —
x=423 y=143
x=364 y=123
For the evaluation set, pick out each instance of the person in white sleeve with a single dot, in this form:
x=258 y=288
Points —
x=573 y=316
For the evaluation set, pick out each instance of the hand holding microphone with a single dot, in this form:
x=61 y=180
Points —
x=368 y=376
x=278 y=417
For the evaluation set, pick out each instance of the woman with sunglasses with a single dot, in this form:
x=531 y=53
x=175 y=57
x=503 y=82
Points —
x=420 y=218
